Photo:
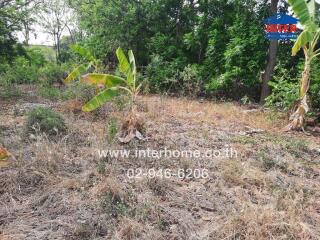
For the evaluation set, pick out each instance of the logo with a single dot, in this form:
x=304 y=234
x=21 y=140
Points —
x=281 y=27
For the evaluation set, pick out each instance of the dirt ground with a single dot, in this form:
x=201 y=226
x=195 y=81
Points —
x=63 y=190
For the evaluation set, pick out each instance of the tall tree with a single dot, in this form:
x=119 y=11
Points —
x=54 y=17
x=271 y=61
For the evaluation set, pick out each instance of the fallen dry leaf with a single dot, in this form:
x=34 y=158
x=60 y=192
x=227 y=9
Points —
x=4 y=154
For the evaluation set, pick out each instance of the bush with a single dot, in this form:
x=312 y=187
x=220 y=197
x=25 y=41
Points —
x=285 y=86
x=162 y=75
x=36 y=57
x=21 y=71
x=78 y=90
x=44 y=120
x=3 y=67
x=52 y=73
x=284 y=93
x=174 y=76
x=190 y=79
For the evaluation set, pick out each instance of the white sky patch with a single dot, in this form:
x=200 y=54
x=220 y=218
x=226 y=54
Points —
x=40 y=37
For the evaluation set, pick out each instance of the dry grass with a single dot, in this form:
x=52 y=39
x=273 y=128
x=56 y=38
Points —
x=63 y=190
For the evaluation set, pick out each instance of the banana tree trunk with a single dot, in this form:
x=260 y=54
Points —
x=301 y=108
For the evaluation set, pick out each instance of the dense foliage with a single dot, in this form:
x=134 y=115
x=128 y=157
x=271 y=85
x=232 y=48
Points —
x=213 y=48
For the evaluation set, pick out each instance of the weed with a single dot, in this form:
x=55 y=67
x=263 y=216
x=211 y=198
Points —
x=83 y=231
x=101 y=167
x=10 y=91
x=114 y=206
x=120 y=102
x=245 y=100
x=112 y=129
x=50 y=93
x=143 y=212
x=158 y=186
x=232 y=172
x=274 y=117
x=162 y=224
x=293 y=145
x=90 y=230
x=268 y=162
x=44 y=120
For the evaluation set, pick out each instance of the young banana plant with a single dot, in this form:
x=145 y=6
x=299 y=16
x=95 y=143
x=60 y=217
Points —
x=308 y=12
x=114 y=85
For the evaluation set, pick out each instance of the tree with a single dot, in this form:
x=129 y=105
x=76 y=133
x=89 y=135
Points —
x=13 y=15
x=54 y=18
x=308 y=14
x=271 y=62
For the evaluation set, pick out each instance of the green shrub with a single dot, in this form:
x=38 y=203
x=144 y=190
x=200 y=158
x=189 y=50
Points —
x=52 y=73
x=47 y=52
x=21 y=71
x=44 y=120
x=163 y=76
x=190 y=80
x=285 y=88
x=174 y=76
x=284 y=94
x=3 y=67
x=78 y=90
x=114 y=206
x=36 y=57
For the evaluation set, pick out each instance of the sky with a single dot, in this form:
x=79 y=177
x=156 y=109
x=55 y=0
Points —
x=39 y=37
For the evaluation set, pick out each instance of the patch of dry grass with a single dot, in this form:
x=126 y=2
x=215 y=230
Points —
x=62 y=190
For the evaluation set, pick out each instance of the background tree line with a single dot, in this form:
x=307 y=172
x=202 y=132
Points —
x=212 y=48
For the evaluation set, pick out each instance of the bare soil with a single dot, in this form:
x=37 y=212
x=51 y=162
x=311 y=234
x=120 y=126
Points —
x=64 y=190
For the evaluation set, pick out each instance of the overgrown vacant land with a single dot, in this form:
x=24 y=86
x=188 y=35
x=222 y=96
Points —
x=61 y=189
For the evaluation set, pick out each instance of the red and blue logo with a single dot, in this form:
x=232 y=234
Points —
x=281 y=27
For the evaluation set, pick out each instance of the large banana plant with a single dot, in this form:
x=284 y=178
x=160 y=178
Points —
x=114 y=85
x=308 y=13
x=89 y=62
